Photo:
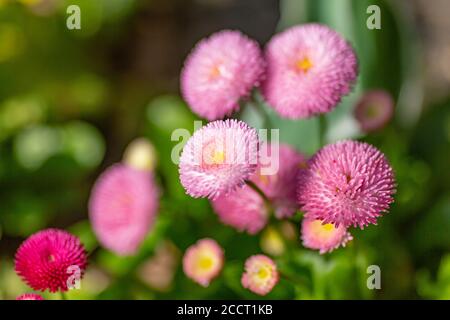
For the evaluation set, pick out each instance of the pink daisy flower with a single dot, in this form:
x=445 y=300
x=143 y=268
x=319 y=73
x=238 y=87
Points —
x=45 y=259
x=30 y=296
x=221 y=70
x=374 y=110
x=203 y=261
x=309 y=69
x=218 y=158
x=323 y=237
x=122 y=208
x=243 y=209
x=348 y=183
x=280 y=187
x=246 y=210
x=260 y=275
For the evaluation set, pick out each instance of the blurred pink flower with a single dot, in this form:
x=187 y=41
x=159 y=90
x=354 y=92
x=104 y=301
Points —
x=309 y=69
x=323 y=237
x=30 y=296
x=260 y=274
x=218 y=158
x=43 y=260
x=122 y=207
x=203 y=261
x=246 y=210
x=280 y=187
x=221 y=70
x=374 y=110
x=348 y=183
x=243 y=209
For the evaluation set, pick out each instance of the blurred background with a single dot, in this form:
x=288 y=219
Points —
x=72 y=100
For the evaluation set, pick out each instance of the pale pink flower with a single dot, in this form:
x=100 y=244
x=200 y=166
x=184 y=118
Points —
x=220 y=71
x=122 y=207
x=348 y=183
x=243 y=209
x=218 y=158
x=374 y=110
x=203 y=261
x=309 y=69
x=260 y=274
x=323 y=237
x=280 y=186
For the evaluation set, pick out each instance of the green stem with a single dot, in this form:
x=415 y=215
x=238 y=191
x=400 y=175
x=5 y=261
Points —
x=252 y=185
x=322 y=130
x=262 y=112
x=63 y=296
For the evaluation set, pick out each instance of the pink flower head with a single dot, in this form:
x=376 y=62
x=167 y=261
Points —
x=323 y=237
x=221 y=70
x=203 y=261
x=29 y=296
x=374 y=110
x=260 y=275
x=218 y=158
x=243 y=209
x=280 y=186
x=309 y=69
x=122 y=208
x=348 y=183
x=45 y=260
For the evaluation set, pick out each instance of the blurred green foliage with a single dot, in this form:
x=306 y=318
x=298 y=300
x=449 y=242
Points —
x=67 y=112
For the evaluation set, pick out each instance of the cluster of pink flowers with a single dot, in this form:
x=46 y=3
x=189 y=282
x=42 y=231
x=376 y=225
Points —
x=304 y=71
x=204 y=260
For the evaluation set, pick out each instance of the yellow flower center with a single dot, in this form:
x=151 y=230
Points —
x=218 y=157
x=304 y=64
x=328 y=227
x=263 y=273
x=215 y=72
x=205 y=262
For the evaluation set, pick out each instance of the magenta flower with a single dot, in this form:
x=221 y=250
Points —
x=203 y=261
x=220 y=71
x=243 y=209
x=309 y=69
x=45 y=260
x=260 y=275
x=374 y=110
x=280 y=186
x=30 y=296
x=122 y=208
x=218 y=158
x=348 y=183
x=323 y=237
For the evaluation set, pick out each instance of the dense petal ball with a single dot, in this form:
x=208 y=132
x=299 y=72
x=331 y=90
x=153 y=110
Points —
x=374 y=110
x=309 y=69
x=218 y=158
x=323 y=237
x=30 y=296
x=221 y=70
x=348 y=183
x=122 y=208
x=260 y=275
x=203 y=261
x=243 y=209
x=45 y=260
x=280 y=186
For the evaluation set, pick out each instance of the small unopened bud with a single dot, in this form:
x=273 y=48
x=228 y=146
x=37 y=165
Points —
x=140 y=154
